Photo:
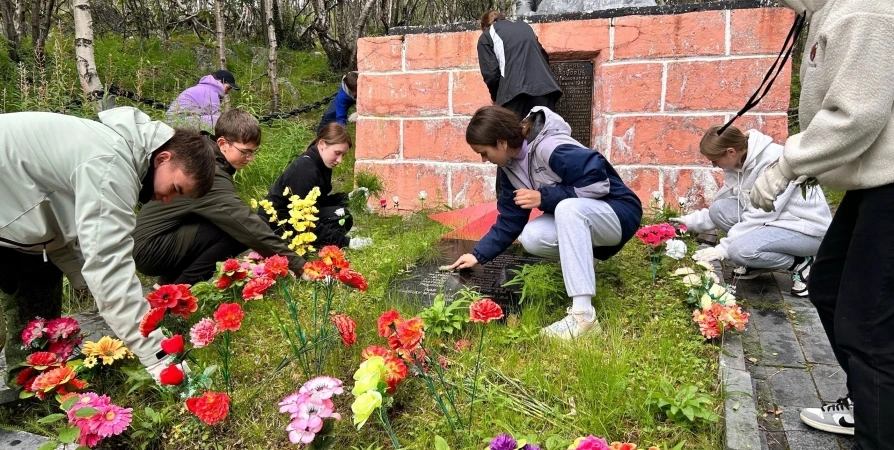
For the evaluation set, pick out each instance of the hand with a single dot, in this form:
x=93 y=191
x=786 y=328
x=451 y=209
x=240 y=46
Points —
x=358 y=243
x=155 y=369
x=527 y=198
x=709 y=254
x=352 y=118
x=767 y=187
x=466 y=261
x=685 y=220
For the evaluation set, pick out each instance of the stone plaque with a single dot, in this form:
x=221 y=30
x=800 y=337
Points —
x=576 y=104
x=421 y=284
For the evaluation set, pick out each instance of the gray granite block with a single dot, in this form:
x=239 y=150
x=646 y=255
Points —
x=793 y=388
x=830 y=381
x=740 y=410
x=778 y=343
x=816 y=347
x=20 y=440
x=732 y=354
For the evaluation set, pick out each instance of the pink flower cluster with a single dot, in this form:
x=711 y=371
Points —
x=59 y=336
x=711 y=321
x=655 y=235
x=109 y=419
x=310 y=407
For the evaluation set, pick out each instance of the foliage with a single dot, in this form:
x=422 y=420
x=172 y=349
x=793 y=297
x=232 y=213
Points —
x=684 y=406
x=443 y=318
x=541 y=282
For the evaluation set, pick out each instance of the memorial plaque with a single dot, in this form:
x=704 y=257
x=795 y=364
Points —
x=425 y=281
x=576 y=104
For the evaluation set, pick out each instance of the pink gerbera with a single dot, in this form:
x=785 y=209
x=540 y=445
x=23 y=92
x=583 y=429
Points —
x=88 y=439
x=111 y=420
x=62 y=328
x=203 y=332
x=33 y=331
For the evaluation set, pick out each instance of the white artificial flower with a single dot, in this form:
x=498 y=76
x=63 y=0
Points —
x=682 y=201
x=676 y=249
x=396 y=200
x=706 y=266
x=713 y=276
x=705 y=301
x=692 y=280
x=423 y=195
x=717 y=291
x=684 y=271
x=340 y=212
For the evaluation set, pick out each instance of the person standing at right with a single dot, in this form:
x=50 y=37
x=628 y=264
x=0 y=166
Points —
x=847 y=144
x=515 y=67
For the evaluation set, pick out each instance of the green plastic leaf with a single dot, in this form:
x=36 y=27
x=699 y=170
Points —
x=87 y=412
x=441 y=443
x=68 y=435
x=68 y=403
x=52 y=418
x=49 y=446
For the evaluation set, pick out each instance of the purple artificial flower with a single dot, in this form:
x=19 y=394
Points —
x=503 y=442
x=530 y=447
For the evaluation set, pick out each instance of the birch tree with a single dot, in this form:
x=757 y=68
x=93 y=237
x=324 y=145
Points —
x=221 y=49
x=271 y=55
x=83 y=22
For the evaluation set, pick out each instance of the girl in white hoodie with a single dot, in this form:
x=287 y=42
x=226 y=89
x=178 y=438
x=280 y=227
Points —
x=758 y=241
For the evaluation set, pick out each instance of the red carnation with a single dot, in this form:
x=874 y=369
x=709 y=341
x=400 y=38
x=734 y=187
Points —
x=256 y=288
x=171 y=375
x=224 y=282
x=229 y=266
x=346 y=327
x=352 y=278
x=229 y=316
x=210 y=408
x=42 y=360
x=151 y=320
x=485 y=310
x=374 y=350
x=277 y=265
x=387 y=320
x=317 y=270
x=410 y=333
x=172 y=345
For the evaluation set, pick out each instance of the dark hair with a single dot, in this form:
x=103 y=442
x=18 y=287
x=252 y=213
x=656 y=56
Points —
x=495 y=123
x=488 y=18
x=193 y=153
x=333 y=133
x=236 y=125
x=714 y=145
x=351 y=82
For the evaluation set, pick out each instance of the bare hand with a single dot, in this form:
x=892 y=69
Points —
x=527 y=198
x=466 y=261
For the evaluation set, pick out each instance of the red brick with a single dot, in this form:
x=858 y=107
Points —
x=405 y=180
x=773 y=126
x=472 y=185
x=642 y=181
x=442 y=50
x=377 y=54
x=759 y=30
x=438 y=140
x=403 y=94
x=570 y=39
x=469 y=92
x=697 y=186
x=698 y=33
x=660 y=140
x=632 y=87
x=723 y=85
x=378 y=139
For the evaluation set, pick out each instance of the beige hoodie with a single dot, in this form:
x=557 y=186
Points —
x=847 y=95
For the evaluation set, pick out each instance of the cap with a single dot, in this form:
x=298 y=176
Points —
x=226 y=77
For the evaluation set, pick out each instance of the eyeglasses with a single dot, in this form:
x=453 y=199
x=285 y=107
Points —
x=246 y=153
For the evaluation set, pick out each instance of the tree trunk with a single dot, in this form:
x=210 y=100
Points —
x=41 y=20
x=86 y=62
x=361 y=27
x=271 y=55
x=221 y=54
x=7 y=10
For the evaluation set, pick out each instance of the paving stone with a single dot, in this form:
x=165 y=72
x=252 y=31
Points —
x=793 y=388
x=830 y=381
x=740 y=410
x=778 y=343
x=20 y=440
x=846 y=442
x=817 y=348
x=732 y=354
x=776 y=440
x=811 y=440
x=759 y=291
x=93 y=325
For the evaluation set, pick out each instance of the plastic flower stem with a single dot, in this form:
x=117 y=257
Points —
x=383 y=419
x=225 y=359
x=299 y=352
x=448 y=391
x=475 y=377
x=434 y=392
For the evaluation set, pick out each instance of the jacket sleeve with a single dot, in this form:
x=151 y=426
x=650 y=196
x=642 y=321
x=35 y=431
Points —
x=335 y=199
x=857 y=105
x=583 y=175
x=105 y=193
x=510 y=223
x=297 y=180
x=343 y=103
x=224 y=208
x=487 y=62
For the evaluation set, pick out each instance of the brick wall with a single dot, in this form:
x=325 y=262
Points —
x=660 y=81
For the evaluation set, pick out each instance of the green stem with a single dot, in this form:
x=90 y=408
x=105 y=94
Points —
x=434 y=392
x=475 y=377
x=447 y=391
x=383 y=419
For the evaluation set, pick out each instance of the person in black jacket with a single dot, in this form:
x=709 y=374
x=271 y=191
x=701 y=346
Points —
x=181 y=242
x=311 y=169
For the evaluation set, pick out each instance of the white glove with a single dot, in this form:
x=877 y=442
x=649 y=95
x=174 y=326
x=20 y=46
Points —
x=358 y=243
x=352 y=118
x=709 y=254
x=155 y=369
x=768 y=186
x=685 y=220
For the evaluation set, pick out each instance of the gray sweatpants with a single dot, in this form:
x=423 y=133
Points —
x=767 y=247
x=578 y=225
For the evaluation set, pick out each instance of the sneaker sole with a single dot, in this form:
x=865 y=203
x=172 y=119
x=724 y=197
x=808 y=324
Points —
x=801 y=294
x=751 y=275
x=826 y=427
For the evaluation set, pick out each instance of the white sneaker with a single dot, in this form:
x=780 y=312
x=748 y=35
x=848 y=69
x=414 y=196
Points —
x=748 y=273
x=836 y=417
x=573 y=326
x=799 y=277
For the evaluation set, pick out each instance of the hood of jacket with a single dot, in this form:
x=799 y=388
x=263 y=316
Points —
x=546 y=123
x=211 y=83
x=142 y=134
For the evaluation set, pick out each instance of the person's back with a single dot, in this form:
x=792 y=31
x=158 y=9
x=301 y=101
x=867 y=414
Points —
x=199 y=105
x=345 y=98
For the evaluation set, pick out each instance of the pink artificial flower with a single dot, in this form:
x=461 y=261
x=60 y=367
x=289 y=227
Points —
x=302 y=431
x=254 y=256
x=88 y=439
x=112 y=420
x=592 y=443
x=203 y=332
x=63 y=349
x=322 y=387
x=62 y=328
x=33 y=331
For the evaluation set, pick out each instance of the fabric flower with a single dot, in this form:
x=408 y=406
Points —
x=322 y=387
x=107 y=348
x=277 y=266
x=334 y=257
x=173 y=344
x=316 y=270
x=186 y=305
x=256 y=288
x=166 y=296
x=345 y=326
x=224 y=282
x=387 y=320
x=352 y=278
x=589 y=443
x=203 y=332
x=52 y=379
x=485 y=310
x=151 y=320
x=675 y=249
x=62 y=328
x=171 y=375
x=503 y=442
x=210 y=407
x=410 y=333
x=364 y=405
x=373 y=350
x=368 y=375
x=111 y=420
x=64 y=348
x=33 y=331
x=395 y=372
x=42 y=360
x=229 y=316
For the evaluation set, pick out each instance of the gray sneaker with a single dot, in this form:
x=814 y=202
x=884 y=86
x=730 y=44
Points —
x=748 y=273
x=799 y=277
x=572 y=326
x=835 y=417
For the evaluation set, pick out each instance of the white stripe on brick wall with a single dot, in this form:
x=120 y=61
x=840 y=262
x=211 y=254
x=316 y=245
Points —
x=403 y=55
x=728 y=30
x=450 y=188
x=430 y=163
x=400 y=139
x=663 y=85
x=611 y=39
x=665 y=166
x=607 y=139
x=450 y=93
x=690 y=114
x=622 y=62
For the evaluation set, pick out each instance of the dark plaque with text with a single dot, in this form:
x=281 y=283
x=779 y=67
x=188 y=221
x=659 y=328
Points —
x=576 y=104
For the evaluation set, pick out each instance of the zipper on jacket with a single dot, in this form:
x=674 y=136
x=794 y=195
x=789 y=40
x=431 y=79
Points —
x=21 y=245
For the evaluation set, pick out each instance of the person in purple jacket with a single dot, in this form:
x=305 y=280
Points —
x=199 y=106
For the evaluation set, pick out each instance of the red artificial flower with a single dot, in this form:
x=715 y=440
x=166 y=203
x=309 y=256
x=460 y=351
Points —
x=410 y=333
x=210 y=408
x=352 y=278
x=387 y=320
x=224 y=282
x=186 y=305
x=42 y=360
x=333 y=257
x=52 y=379
x=230 y=266
x=383 y=202
x=240 y=275
x=374 y=350
x=256 y=288
x=277 y=265
x=64 y=349
x=485 y=310
x=171 y=375
x=166 y=296
x=25 y=377
x=151 y=320
x=395 y=372
x=62 y=328
x=173 y=344
x=317 y=270
x=345 y=326
x=229 y=316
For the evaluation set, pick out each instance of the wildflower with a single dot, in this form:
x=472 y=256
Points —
x=33 y=331
x=210 y=407
x=151 y=320
x=345 y=326
x=485 y=310
x=62 y=328
x=107 y=348
x=364 y=405
x=229 y=316
x=173 y=344
x=256 y=288
x=203 y=332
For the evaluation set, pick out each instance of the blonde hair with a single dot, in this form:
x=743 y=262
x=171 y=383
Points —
x=714 y=145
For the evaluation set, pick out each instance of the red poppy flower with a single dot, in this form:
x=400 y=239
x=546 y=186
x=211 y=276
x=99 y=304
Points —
x=173 y=344
x=352 y=278
x=485 y=310
x=224 y=282
x=171 y=375
x=277 y=265
x=256 y=288
x=374 y=350
x=210 y=408
x=346 y=327
x=229 y=316
x=317 y=270
x=410 y=333
x=166 y=296
x=186 y=305
x=151 y=320
x=387 y=320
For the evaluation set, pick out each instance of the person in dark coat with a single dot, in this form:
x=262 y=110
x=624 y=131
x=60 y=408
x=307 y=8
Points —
x=311 y=169
x=345 y=98
x=183 y=241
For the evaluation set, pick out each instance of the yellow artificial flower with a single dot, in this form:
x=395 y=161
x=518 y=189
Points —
x=108 y=349
x=254 y=204
x=90 y=362
x=286 y=191
x=364 y=405
x=368 y=375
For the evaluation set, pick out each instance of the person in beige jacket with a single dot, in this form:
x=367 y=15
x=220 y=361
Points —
x=847 y=144
x=69 y=188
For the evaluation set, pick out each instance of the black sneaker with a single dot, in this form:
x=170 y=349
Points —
x=834 y=417
x=799 y=277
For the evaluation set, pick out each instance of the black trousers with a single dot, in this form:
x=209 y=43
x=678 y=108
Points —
x=851 y=285
x=522 y=104
x=328 y=229
x=210 y=246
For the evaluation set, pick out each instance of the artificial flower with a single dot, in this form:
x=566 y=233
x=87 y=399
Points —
x=485 y=310
x=111 y=420
x=364 y=405
x=352 y=278
x=589 y=443
x=107 y=348
x=42 y=360
x=317 y=270
x=345 y=326
x=64 y=348
x=33 y=331
x=256 y=288
x=62 y=328
x=224 y=282
x=675 y=249
x=322 y=387
x=423 y=195
x=373 y=350
x=52 y=379
x=173 y=344
x=210 y=407
x=395 y=372
x=277 y=266
x=387 y=320
x=503 y=442
x=171 y=375
x=461 y=345
x=90 y=362
x=166 y=296
x=151 y=320
x=368 y=375
x=203 y=332
x=410 y=333
x=229 y=316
